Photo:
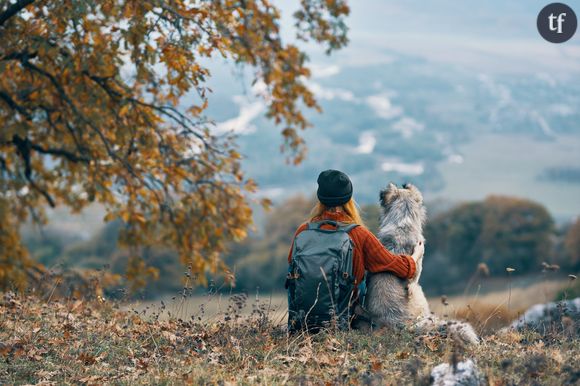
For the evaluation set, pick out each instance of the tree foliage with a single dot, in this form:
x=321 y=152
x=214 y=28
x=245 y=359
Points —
x=90 y=111
x=499 y=231
x=14 y=259
x=572 y=243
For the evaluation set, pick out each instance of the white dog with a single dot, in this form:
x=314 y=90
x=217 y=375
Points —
x=391 y=301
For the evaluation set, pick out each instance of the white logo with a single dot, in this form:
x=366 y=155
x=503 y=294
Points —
x=559 y=19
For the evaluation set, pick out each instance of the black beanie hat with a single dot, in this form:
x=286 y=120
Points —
x=334 y=188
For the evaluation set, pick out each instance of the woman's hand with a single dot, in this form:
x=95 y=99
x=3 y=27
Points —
x=417 y=255
x=418 y=251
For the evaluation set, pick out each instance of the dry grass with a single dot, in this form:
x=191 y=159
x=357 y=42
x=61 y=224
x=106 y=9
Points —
x=494 y=310
x=486 y=318
x=521 y=298
x=209 y=308
x=73 y=341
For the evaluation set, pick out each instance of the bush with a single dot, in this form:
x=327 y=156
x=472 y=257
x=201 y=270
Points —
x=500 y=232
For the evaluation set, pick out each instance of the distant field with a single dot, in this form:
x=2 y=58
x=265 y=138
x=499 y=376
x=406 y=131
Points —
x=511 y=165
x=520 y=299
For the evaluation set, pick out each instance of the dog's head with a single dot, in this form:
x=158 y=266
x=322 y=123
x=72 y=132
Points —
x=407 y=193
x=406 y=201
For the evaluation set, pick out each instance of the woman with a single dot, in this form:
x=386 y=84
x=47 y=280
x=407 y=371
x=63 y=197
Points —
x=335 y=209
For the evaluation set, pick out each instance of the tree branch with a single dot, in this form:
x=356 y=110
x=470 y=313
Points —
x=19 y=56
x=61 y=153
x=168 y=111
x=24 y=146
x=43 y=192
x=14 y=106
x=19 y=141
x=13 y=10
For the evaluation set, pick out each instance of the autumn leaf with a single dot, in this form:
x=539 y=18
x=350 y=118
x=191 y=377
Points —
x=403 y=355
x=431 y=343
x=87 y=359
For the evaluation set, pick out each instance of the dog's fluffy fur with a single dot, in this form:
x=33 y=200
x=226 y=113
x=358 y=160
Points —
x=391 y=301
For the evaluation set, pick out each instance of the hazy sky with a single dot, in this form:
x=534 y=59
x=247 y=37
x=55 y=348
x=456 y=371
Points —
x=494 y=36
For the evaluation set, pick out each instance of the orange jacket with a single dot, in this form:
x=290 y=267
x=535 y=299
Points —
x=369 y=254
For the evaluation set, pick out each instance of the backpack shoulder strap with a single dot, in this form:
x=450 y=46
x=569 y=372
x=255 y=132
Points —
x=338 y=225
x=316 y=225
x=348 y=227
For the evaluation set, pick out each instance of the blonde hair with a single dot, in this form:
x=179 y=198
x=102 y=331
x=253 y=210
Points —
x=350 y=209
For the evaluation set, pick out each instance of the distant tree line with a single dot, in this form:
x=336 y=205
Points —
x=499 y=232
x=492 y=235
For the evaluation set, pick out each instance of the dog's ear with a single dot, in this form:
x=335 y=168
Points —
x=416 y=194
x=387 y=194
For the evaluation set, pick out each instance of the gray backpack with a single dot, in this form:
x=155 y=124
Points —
x=320 y=282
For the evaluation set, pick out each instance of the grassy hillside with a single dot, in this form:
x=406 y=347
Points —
x=75 y=341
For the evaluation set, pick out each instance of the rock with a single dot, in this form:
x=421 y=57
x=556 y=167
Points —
x=465 y=374
x=554 y=316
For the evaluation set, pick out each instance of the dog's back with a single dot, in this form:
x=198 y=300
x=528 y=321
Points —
x=386 y=300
